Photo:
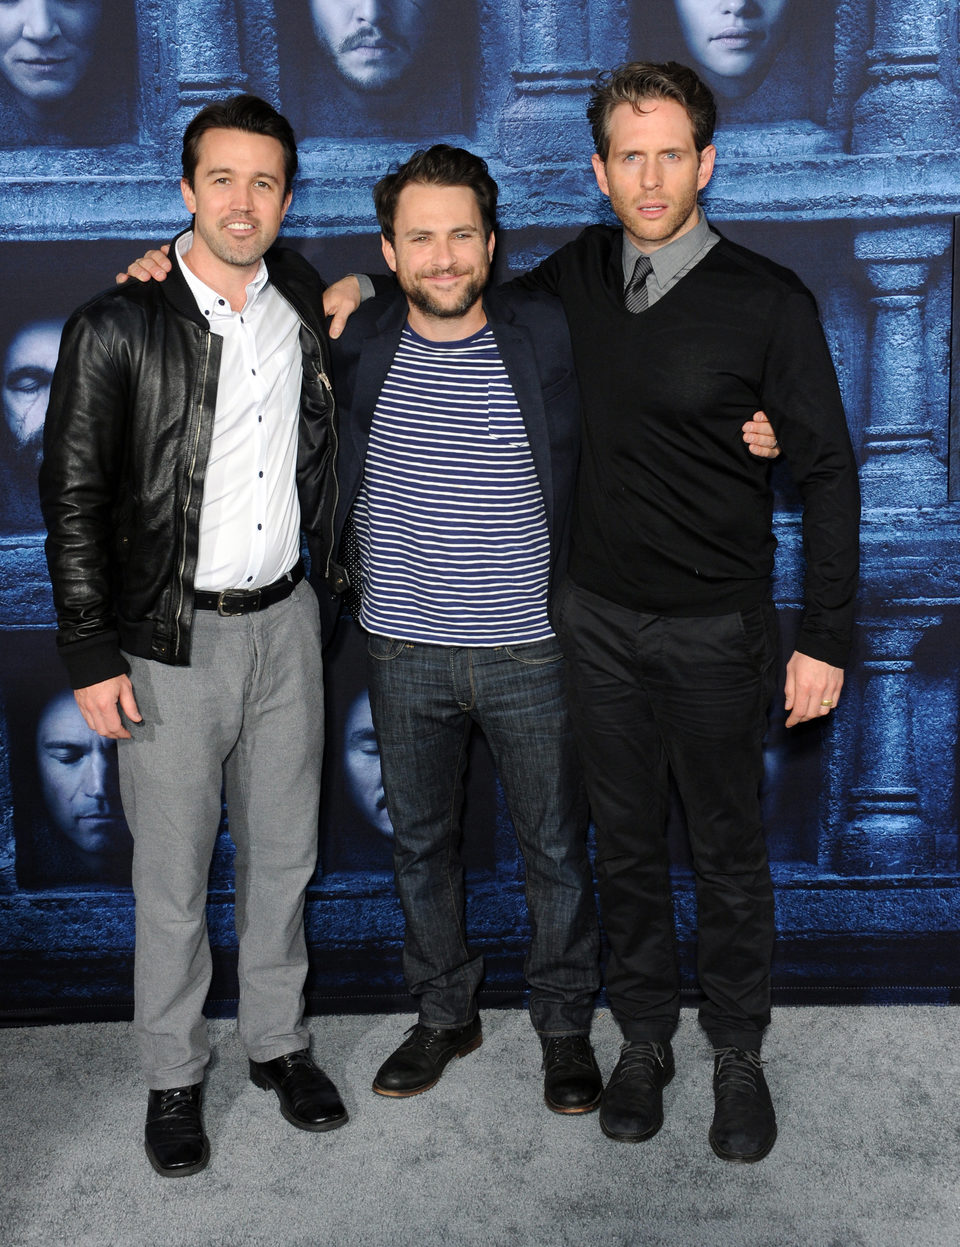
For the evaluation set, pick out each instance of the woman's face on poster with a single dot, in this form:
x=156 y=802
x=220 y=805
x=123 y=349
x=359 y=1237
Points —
x=28 y=366
x=46 y=46
x=734 y=42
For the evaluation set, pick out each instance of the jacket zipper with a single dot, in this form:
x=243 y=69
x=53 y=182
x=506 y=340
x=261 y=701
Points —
x=335 y=443
x=189 y=495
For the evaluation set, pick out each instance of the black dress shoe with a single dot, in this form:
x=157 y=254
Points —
x=632 y=1105
x=173 y=1136
x=571 y=1077
x=308 y=1099
x=420 y=1060
x=744 y=1124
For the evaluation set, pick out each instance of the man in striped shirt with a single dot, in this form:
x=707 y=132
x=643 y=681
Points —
x=459 y=440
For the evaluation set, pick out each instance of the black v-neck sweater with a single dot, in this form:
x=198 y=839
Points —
x=673 y=514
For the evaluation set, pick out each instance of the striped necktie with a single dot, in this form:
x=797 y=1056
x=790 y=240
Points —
x=635 y=296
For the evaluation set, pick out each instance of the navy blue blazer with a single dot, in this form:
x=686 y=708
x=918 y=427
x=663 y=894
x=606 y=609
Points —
x=531 y=333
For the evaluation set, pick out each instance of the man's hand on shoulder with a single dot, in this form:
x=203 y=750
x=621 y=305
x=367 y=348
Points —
x=812 y=688
x=340 y=301
x=154 y=266
x=761 y=438
x=100 y=704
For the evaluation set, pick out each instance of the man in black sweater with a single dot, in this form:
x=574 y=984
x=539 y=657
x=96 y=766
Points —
x=667 y=619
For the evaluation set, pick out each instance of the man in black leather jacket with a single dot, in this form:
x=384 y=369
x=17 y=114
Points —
x=189 y=439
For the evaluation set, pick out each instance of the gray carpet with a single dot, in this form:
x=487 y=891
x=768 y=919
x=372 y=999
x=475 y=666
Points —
x=868 y=1154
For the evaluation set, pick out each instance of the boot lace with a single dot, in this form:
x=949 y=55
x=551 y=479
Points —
x=639 y=1062
x=737 y=1071
x=568 y=1050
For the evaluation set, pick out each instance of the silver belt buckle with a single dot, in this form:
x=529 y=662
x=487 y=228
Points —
x=223 y=608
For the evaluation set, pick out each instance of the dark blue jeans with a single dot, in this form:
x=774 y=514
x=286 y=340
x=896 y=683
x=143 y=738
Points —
x=425 y=700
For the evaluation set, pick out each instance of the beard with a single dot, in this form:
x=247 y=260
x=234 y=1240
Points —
x=243 y=251
x=428 y=303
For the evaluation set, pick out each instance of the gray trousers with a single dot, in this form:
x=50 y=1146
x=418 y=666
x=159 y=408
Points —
x=247 y=712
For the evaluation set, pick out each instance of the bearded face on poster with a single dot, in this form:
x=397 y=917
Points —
x=376 y=67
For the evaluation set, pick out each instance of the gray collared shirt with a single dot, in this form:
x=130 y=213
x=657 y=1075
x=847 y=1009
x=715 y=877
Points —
x=673 y=261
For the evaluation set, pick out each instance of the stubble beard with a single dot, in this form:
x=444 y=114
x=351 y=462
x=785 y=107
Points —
x=662 y=231
x=427 y=303
x=241 y=252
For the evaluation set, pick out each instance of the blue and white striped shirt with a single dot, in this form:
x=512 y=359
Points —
x=450 y=516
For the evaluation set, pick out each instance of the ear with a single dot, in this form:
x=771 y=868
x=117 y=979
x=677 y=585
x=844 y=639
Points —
x=491 y=246
x=600 y=173
x=705 y=171
x=388 y=254
x=286 y=204
x=189 y=198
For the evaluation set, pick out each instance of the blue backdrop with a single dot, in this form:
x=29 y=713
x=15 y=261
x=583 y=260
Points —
x=837 y=156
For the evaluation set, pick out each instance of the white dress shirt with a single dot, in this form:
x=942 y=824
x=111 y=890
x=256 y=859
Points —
x=250 y=517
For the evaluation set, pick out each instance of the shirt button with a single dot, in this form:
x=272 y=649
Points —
x=260 y=474
x=249 y=578
x=254 y=371
x=259 y=527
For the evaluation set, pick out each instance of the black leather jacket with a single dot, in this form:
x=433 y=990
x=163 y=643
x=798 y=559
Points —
x=126 y=442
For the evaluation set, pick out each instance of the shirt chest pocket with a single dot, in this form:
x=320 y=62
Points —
x=504 y=421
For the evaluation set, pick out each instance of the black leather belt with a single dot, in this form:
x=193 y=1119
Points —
x=244 y=601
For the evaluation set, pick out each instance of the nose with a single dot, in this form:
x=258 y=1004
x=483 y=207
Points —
x=40 y=22
x=651 y=174
x=368 y=12
x=241 y=197
x=443 y=255
x=737 y=6
x=96 y=770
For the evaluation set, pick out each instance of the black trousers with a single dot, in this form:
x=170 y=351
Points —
x=651 y=695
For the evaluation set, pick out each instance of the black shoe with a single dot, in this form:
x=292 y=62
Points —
x=744 y=1124
x=571 y=1077
x=632 y=1105
x=422 y=1057
x=308 y=1099
x=173 y=1136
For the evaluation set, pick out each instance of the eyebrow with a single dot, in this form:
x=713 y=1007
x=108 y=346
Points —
x=453 y=229
x=270 y=177
x=28 y=370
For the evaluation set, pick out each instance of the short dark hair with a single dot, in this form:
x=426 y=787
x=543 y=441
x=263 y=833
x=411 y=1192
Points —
x=440 y=165
x=240 y=112
x=639 y=81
